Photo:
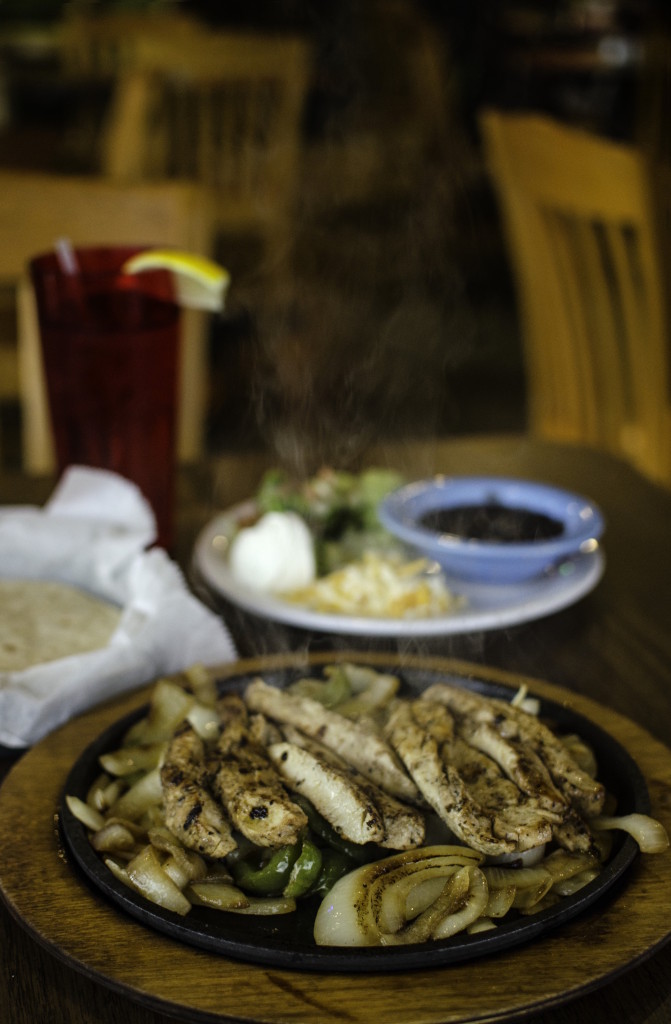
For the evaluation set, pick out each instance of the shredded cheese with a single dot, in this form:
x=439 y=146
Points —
x=379 y=586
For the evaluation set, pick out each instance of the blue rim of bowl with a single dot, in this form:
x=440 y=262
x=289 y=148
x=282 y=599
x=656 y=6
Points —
x=400 y=510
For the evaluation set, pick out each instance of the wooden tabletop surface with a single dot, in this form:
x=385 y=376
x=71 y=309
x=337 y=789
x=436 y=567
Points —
x=613 y=647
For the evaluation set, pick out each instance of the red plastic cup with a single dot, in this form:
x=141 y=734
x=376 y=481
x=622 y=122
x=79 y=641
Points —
x=110 y=344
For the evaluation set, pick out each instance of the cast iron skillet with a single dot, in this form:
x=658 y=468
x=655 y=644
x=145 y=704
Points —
x=286 y=941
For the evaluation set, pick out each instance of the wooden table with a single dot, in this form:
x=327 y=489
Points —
x=614 y=647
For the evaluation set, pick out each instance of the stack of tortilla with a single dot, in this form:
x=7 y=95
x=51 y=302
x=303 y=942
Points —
x=41 y=621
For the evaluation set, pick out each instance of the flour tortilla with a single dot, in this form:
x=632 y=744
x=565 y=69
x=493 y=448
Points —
x=42 y=621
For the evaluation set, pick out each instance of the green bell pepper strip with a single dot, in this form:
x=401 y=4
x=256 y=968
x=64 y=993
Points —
x=305 y=871
x=269 y=878
x=330 y=693
x=334 y=865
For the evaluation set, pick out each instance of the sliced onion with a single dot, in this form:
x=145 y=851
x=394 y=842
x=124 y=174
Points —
x=353 y=911
x=569 y=886
x=371 y=691
x=500 y=901
x=531 y=895
x=473 y=908
x=145 y=874
x=649 y=833
x=551 y=899
x=530 y=884
x=392 y=895
x=170 y=703
x=499 y=877
x=450 y=900
x=97 y=793
x=184 y=867
x=204 y=720
x=562 y=865
x=483 y=924
x=112 y=837
x=147 y=791
x=423 y=895
x=266 y=906
x=221 y=895
x=338 y=921
x=128 y=760
x=522 y=700
x=83 y=812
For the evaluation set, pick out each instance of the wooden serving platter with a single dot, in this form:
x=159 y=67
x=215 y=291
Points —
x=58 y=907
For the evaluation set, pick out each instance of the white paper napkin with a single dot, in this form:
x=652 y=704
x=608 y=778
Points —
x=93 y=533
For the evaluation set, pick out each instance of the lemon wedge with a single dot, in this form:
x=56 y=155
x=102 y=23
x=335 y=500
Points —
x=200 y=283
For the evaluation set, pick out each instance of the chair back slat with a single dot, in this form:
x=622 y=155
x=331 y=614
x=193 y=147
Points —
x=224 y=109
x=582 y=234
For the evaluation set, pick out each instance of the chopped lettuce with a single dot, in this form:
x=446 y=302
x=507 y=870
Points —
x=339 y=507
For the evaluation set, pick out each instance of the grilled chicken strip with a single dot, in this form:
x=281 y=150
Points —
x=519 y=762
x=233 y=723
x=435 y=718
x=440 y=784
x=584 y=793
x=191 y=814
x=262 y=731
x=345 y=806
x=356 y=744
x=404 y=826
x=573 y=834
x=577 y=786
x=482 y=775
x=516 y=816
x=245 y=781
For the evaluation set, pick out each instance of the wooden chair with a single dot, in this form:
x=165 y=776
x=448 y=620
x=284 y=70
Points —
x=101 y=46
x=37 y=209
x=580 y=227
x=94 y=48
x=224 y=110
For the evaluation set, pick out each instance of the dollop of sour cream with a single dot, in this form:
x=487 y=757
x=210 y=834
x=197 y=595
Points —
x=275 y=554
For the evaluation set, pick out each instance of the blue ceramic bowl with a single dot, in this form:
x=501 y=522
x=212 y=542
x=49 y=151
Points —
x=492 y=529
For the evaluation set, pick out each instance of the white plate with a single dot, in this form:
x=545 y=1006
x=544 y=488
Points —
x=489 y=606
